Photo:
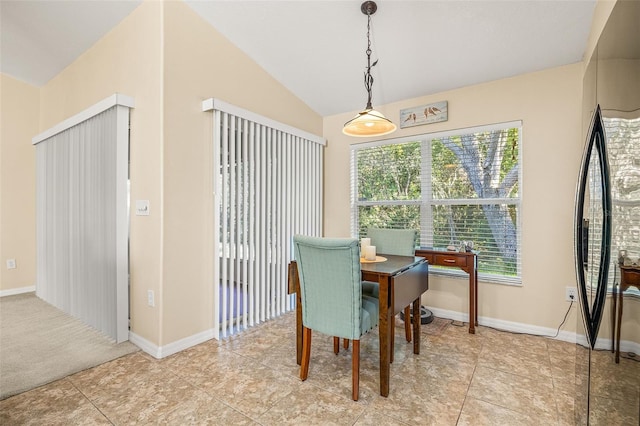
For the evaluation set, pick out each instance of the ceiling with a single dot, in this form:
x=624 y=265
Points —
x=317 y=48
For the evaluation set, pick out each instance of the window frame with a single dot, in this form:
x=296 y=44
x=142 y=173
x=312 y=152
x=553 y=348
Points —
x=426 y=200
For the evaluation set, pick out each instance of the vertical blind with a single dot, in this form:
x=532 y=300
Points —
x=267 y=187
x=82 y=217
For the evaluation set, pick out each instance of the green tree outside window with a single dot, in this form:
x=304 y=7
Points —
x=452 y=189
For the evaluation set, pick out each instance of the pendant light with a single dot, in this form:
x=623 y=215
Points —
x=368 y=122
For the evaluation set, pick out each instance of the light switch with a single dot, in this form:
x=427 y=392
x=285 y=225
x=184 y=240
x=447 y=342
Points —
x=142 y=207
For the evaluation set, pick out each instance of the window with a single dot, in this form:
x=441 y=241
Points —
x=454 y=187
x=623 y=151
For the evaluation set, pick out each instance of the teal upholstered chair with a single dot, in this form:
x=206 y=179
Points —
x=331 y=295
x=399 y=242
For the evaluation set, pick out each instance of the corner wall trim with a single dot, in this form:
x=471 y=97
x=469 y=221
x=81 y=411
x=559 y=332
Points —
x=145 y=345
x=160 y=352
x=103 y=105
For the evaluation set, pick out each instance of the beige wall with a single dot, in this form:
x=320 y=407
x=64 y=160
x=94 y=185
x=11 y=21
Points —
x=549 y=105
x=200 y=64
x=19 y=105
x=615 y=77
x=601 y=14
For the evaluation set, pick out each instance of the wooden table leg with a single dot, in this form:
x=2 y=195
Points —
x=383 y=331
x=392 y=324
x=619 y=313
x=475 y=287
x=417 y=320
x=472 y=302
x=614 y=297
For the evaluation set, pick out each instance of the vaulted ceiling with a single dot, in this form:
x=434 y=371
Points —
x=317 y=48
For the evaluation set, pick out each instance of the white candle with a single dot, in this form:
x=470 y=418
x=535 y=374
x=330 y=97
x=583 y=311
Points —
x=370 y=253
x=364 y=242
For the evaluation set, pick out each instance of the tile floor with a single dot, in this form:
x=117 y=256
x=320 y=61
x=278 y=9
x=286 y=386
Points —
x=490 y=378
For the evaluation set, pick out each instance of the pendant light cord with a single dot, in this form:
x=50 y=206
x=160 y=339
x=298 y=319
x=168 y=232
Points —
x=368 y=78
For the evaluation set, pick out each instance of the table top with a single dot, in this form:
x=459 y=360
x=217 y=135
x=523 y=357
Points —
x=378 y=259
x=393 y=265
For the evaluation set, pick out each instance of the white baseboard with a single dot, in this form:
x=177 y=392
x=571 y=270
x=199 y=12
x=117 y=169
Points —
x=516 y=327
x=14 y=291
x=565 y=336
x=160 y=352
x=625 y=345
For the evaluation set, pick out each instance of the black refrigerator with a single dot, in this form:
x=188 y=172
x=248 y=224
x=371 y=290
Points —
x=607 y=228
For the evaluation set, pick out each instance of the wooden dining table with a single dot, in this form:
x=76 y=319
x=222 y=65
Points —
x=402 y=280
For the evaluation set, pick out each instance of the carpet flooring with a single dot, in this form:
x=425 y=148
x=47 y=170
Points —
x=39 y=344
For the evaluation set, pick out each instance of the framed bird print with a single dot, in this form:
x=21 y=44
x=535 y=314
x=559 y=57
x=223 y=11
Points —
x=426 y=114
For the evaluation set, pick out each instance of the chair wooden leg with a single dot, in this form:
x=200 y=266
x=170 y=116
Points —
x=407 y=323
x=346 y=343
x=336 y=345
x=306 y=353
x=355 y=369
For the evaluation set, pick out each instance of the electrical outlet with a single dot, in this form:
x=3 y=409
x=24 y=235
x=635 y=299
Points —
x=571 y=294
x=11 y=264
x=150 y=298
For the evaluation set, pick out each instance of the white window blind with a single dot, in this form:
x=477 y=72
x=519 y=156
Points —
x=453 y=187
x=267 y=188
x=82 y=216
x=623 y=153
